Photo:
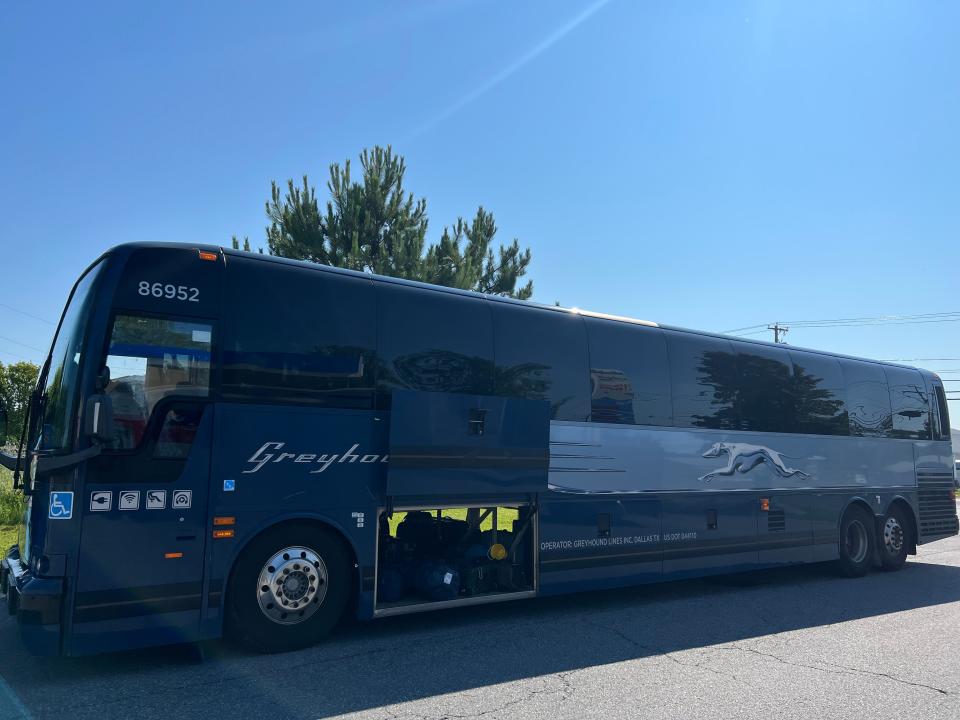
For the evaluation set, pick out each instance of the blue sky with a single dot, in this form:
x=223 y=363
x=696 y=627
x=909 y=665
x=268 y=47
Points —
x=707 y=164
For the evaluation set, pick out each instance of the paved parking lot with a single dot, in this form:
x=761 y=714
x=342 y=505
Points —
x=794 y=644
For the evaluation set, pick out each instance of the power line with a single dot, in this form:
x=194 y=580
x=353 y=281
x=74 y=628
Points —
x=17 y=342
x=884 y=318
x=923 y=318
x=18 y=357
x=29 y=315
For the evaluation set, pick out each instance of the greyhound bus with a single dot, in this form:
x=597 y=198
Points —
x=223 y=443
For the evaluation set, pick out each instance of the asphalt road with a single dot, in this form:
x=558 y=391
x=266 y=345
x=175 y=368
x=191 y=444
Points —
x=797 y=643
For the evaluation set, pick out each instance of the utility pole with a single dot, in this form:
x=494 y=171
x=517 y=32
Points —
x=778 y=332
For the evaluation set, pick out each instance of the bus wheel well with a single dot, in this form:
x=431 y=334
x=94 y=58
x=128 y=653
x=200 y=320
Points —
x=860 y=505
x=908 y=515
x=306 y=523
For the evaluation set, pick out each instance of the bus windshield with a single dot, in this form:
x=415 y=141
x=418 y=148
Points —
x=60 y=381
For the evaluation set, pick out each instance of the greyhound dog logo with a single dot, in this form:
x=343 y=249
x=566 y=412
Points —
x=743 y=458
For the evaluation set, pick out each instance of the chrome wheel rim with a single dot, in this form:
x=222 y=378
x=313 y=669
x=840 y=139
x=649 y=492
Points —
x=893 y=536
x=856 y=542
x=292 y=585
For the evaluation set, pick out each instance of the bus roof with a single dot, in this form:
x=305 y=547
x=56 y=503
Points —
x=276 y=260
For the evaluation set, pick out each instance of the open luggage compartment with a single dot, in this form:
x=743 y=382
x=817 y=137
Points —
x=442 y=556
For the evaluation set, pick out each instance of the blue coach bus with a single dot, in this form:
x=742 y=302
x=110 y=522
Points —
x=227 y=443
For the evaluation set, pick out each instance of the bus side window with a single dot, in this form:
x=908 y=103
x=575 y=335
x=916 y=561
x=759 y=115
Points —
x=766 y=399
x=179 y=428
x=909 y=402
x=629 y=374
x=941 y=428
x=820 y=394
x=704 y=381
x=542 y=355
x=150 y=359
x=298 y=335
x=433 y=341
x=868 y=399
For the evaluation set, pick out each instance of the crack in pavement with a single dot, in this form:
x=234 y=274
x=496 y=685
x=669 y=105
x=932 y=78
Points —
x=653 y=651
x=842 y=669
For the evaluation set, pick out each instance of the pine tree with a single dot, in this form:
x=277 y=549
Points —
x=376 y=225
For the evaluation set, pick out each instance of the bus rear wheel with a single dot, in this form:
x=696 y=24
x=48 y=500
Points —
x=856 y=542
x=894 y=539
x=289 y=588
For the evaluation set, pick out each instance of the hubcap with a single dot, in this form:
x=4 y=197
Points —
x=893 y=536
x=856 y=541
x=292 y=585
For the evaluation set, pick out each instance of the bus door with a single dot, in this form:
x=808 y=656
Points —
x=139 y=575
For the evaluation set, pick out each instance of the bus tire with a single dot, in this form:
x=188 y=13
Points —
x=894 y=539
x=856 y=542
x=289 y=588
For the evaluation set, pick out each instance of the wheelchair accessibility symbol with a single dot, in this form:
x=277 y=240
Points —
x=61 y=505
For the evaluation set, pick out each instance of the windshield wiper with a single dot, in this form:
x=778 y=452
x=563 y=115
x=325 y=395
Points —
x=19 y=460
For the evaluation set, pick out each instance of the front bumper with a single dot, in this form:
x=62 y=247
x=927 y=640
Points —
x=36 y=602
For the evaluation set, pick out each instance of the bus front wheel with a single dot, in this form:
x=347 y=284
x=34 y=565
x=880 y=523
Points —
x=856 y=542
x=289 y=588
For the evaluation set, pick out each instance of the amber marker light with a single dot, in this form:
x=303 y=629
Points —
x=172 y=556
x=765 y=504
x=205 y=255
x=222 y=533
x=224 y=520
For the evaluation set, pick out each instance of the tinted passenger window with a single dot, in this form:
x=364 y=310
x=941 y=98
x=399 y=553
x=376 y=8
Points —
x=542 y=355
x=298 y=335
x=434 y=341
x=704 y=381
x=150 y=359
x=943 y=414
x=766 y=401
x=910 y=404
x=868 y=399
x=629 y=374
x=819 y=394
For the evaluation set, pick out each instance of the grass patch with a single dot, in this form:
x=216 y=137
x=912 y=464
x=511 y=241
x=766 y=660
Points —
x=505 y=518
x=8 y=537
x=12 y=504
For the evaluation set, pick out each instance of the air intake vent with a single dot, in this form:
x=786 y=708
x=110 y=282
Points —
x=938 y=507
x=776 y=521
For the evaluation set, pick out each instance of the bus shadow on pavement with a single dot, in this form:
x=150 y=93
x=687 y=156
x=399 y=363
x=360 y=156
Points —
x=369 y=665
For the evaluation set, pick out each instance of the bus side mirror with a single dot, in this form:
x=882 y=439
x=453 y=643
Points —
x=99 y=418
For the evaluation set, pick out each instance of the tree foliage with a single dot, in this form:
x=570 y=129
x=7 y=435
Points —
x=17 y=382
x=375 y=225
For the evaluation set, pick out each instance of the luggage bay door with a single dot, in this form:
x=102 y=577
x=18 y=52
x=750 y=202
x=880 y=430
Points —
x=445 y=445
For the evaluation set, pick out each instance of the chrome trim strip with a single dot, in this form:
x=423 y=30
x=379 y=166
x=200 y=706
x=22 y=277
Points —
x=756 y=491
x=581 y=457
x=587 y=470
x=459 y=602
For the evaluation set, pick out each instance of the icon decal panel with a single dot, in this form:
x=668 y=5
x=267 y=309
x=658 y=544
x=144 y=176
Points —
x=156 y=499
x=182 y=499
x=61 y=505
x=101 y=500
x=129 y=500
